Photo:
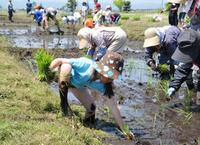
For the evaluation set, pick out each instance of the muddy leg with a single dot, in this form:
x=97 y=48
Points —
x=88 y=102
x=63 y=90
x=64 y=77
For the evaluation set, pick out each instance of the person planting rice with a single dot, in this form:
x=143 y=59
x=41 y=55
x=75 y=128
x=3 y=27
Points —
x=188 y=53
x=10 y=11
x=81 y=75
x=163 y=41
x=49 y=13
x=102 y=39
x=38 y=13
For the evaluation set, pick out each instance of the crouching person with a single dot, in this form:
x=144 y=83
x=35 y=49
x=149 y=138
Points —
x=49 y=13
x=82 y=74
x=102 y=39
x=163 y=41
x=188 y=53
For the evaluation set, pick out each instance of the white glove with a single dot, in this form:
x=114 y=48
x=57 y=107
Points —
x=171 y=91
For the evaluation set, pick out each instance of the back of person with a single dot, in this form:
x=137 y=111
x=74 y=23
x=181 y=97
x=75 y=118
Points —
x=103 y=37
x=38 y=15
x=51 y=12
x=10 y=7
x=170 y=40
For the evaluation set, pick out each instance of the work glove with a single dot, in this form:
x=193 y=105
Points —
x=170 y=92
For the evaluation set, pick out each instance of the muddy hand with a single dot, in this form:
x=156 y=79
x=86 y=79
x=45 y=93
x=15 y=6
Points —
x=129 y=135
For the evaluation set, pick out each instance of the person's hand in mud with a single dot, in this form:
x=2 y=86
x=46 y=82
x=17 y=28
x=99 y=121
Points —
x=127 y=133
x=153 y=66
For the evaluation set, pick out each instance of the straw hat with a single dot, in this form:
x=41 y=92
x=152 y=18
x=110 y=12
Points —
x=151 y=38
x=111 y=65
x=177 y=1
x=84 y=35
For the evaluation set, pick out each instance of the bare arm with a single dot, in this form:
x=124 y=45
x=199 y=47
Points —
x=57 y=63
x=117 y=115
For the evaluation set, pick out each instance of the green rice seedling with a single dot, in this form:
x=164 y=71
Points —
x=187 y=100
x=167 y=6
x=154 y=120
x=136 y=18
x=161 y=90
x=150 y=80
x=187 y=19
x=187 y=116
x=43 y=60
x=125 y=17
x=130 y=66
x=162 y=68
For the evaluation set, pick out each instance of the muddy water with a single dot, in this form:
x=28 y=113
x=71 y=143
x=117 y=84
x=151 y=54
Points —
x=33 y=37
x=153 y=124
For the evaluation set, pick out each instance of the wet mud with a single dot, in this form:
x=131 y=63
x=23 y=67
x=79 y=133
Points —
x=152 y=123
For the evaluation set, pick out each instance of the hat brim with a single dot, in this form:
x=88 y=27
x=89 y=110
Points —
x=177 y=1
x=151 y=41
x=83 y=44
x=107 y=71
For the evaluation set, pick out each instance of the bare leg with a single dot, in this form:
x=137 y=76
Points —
x=88 y=102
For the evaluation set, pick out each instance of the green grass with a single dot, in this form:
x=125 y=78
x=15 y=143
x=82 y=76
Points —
x=30 y=112
x=125 y=17
x=136 y=18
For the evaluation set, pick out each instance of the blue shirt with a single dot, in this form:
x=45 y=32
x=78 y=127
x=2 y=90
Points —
x=38 y=15
x=81 y=74
x=29 y=5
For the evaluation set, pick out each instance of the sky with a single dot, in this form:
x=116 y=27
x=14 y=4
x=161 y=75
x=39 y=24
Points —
x=136 y=4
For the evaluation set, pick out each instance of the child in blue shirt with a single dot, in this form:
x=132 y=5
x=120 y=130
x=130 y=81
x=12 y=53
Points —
x=82 y=74
x=38 y=14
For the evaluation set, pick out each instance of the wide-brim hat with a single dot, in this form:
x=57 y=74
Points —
x=110 y=65
x=177 y=1
x=188 y=47
x=84 y=35
x=83 y=44
x=151 y=38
